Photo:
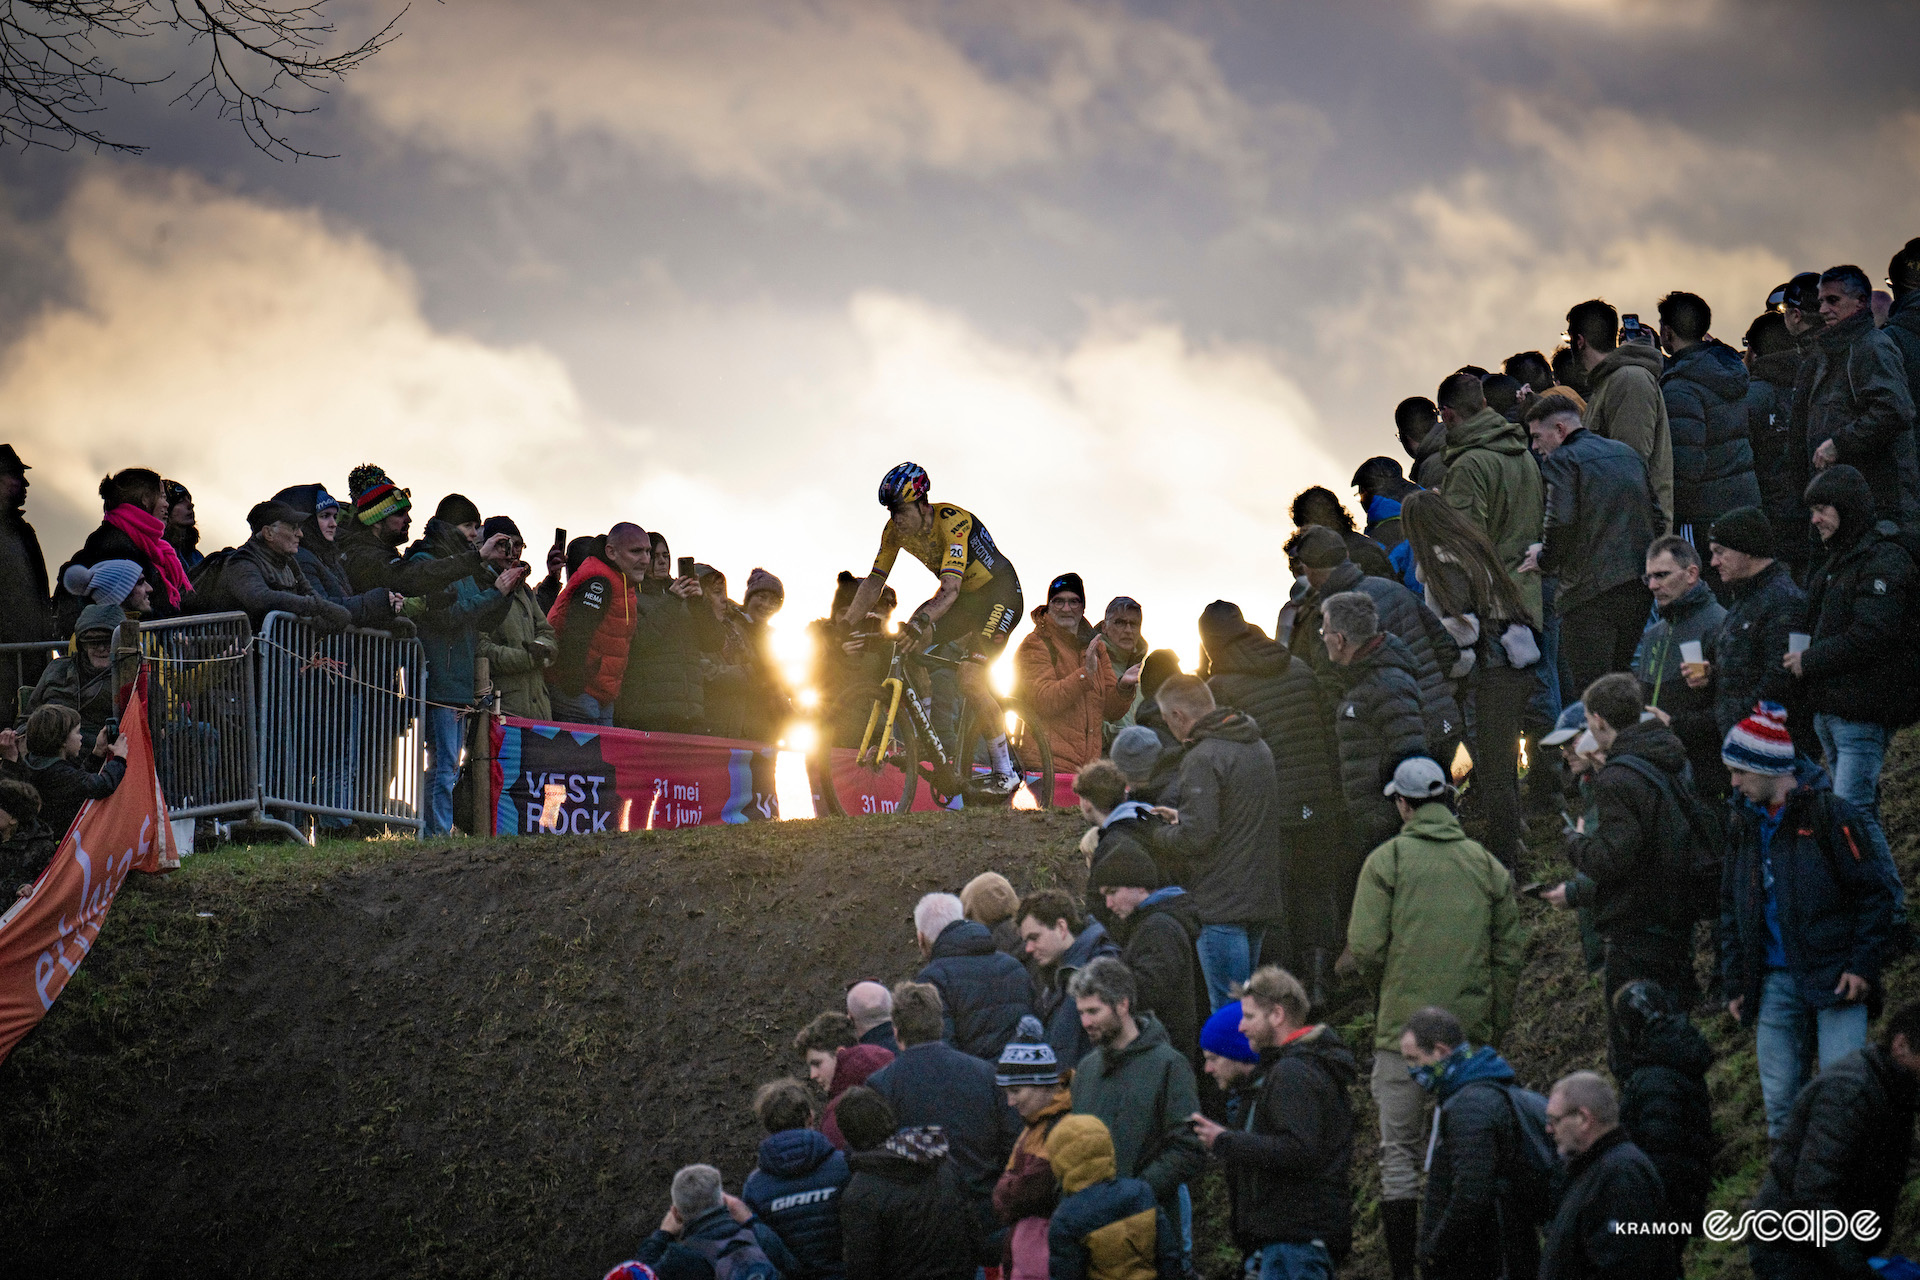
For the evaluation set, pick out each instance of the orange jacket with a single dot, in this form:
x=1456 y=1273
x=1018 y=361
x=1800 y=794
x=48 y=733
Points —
x=1050 y=673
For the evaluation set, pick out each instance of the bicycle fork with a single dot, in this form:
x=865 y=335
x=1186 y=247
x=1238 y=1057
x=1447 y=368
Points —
x=916 y=712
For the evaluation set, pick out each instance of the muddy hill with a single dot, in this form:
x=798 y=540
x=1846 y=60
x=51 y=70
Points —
x=479 y=1058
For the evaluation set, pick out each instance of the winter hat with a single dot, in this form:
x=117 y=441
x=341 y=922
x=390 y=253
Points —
x=176 y=492
x=1760 y=743
x=989 y=898
x=1319 y=547
x=1221 y=1036
x=108 y=582
x=1746 y=530
x=761 y=580
x=1573 y=718
x=1135 y=752
x=262 y=514
x=1028 y=1058
x=500 y=524
x=1845 y=490
x=374 y=496
x=631 y=1271
x=1126 y=866
x=1418 y=778
x=99 y=617
x=1067 y=582
x=457 y=508
x=1154 y=671
x=1220 y=622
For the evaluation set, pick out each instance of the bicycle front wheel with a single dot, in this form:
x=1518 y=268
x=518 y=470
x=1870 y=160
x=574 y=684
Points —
x=885 y=778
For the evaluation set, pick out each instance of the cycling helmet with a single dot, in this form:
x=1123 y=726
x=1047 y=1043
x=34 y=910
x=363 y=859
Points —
x=904 y=484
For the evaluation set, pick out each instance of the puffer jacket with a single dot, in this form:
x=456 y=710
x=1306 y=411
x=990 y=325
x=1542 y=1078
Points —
x=1465 y=1226
x=1378 y=721
x=1705 y=387
x=1050 y=672
x=796 y=1189
x=593 y=619
x=1258 y=676
x=1157 y=944
x=1858 y=399
x=1846 y=1147
x=1859 y=665
x=518 y=651
x=255 y=580
x=451 y=626
x=1289 y=1164
x=1601 y=518
x=1610 y=1182
x=1493 y=480
x=984 y=992
x=1751 y=642
x=1779 y=447
x=906 y=1214
x=1429 y=644
x=1697 y=615
x=1626 y=405
x=662 y=690
x=1224 y=850
x=1667 y=1111
x=1105 y=1228
x=1028 y=1188
x=1624 y=856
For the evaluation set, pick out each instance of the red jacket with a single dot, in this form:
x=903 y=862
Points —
x=594 y=617
x=1050 y=673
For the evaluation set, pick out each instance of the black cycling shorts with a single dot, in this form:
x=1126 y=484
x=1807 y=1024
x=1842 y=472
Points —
x=984 y=619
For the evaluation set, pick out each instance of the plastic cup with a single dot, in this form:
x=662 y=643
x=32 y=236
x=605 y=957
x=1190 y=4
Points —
x=1798 y=641
x=1691 y=652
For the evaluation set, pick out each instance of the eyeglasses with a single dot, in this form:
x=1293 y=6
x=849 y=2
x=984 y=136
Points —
x=1552 y=1119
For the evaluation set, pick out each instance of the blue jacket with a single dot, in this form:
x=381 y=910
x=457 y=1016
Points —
x=983 y=990
x=796 y=1191
x=1056 y=1008
x=719 y=1225
x=450 y=629
x=1832 y=890
x=935 y=1083
x=1089 y=1228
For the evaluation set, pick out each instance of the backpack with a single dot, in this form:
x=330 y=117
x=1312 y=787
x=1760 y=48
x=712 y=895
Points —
x=203 y=576
x=1538 y=1158
x=738 y=1257
x=1696 y=843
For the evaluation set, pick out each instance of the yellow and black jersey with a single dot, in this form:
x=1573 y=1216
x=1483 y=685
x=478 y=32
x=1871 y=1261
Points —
x=954 y=543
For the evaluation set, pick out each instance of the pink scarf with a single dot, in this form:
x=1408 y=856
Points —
x=145 y=529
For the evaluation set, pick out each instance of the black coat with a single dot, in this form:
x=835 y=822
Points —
x=1225 y=848
x=907 y=1217
x=1289 y=1164
x=984 y=992
x=1903 y=330
x=1753 y=639
x=1377 y=723
x=1463 y=1226
x=1131 y=822
x=110 y=542
x=1601 y=517
x=1258 y=676
x=254 y=580
x=935 y=1083
x=371 y=561
x=26 y=613
x=1625 y=854
x=1666 y=1109
x=1611 y=1181
x=1431 y=648
x=1705 y=388
x=1779 y=447
x=65 y=786
x=1157 y=944
x=1860 y=665
x=664 y=689
x=1857 y=397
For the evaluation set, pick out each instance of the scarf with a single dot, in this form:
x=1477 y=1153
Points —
x=146 y=529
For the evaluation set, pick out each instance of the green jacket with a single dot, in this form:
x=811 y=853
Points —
x=1627 y=405
x=1435 y=922
x=1493 y=480
x=1145 y=1094
x=518 y=652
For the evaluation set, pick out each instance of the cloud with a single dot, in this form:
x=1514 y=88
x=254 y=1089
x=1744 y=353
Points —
x=1651 y=17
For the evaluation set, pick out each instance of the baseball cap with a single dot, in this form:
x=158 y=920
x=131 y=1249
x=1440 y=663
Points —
x=1573 y=718
x=1418 y=778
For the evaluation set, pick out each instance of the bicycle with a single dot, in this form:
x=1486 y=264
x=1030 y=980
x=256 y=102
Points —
x=894 y=720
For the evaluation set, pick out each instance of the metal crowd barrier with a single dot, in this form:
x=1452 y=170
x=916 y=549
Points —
x=342 y=721
x=200 y=709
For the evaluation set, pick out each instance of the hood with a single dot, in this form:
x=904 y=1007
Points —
x=1081 y=952
x=1780 y=368
x=1434 y=821
x=1323 y=1044
x=1713 y=365
x=1433 y=442
x=1674 y=1042
x=1652 y=742
x=1698 y=597
x=1128 y=809
x=1174 y=902
x=305 y=497
x=1080 y=1149
x=794 y=1153
x=1227 y=725
x=1344 y=576
x=1380 y=507
x=854 y=1065
x=1487 y=429
x=440 y=541
x=1464 y=1067
x=1836 y=338
x=1250 y=654
x=963 y=938
x=1387 y=650
x=1844 y=489
x=1151 y=1035
x=1628 y=355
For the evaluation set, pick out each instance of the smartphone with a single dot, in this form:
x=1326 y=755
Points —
x=1535 y=889
x=686 y=566
x=560 y=538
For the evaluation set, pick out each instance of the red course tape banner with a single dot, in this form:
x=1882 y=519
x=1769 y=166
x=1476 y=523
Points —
x=557 y=779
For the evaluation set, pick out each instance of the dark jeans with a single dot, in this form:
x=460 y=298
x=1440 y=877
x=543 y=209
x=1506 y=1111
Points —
x=1500 y=701
x=1662 y=960
x=1598 y=638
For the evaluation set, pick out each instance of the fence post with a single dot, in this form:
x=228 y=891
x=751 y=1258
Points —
x=480 y=750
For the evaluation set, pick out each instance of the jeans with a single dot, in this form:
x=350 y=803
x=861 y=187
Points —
x=1309 y=1261
x=585 y=709
x=1403 y=1129
x=1599 y=636
x=1186 y=1228
x=443 y=764
x=1788 y=1029
x=1228 y=953
x=1545 y=703
x=1855 y=750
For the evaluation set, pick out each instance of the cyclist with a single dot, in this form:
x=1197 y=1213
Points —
x=972 y=614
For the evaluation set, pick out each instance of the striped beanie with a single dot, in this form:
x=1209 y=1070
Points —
x=375 y=497
x=1760 y=743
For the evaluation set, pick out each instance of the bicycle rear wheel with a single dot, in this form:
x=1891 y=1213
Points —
x=1032 y=758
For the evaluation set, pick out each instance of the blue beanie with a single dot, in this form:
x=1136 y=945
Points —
x=1222 y=1035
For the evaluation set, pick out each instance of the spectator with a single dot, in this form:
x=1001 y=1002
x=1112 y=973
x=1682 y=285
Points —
x=1804 y=919
x=1664 y=1104
x=1138 y=1085
x=1902 y=326
x=1227 y=1057
x=1608 y=1181
x=1568 y=373
x=1126 y=649
x=263 y=576
x=984 y=992
x=371 y=545
x=1704 y=386
x=1778 y=434
x=1859 y=411
x=870 y=1005
x=767 y=706
x=1061 y=942
x=182 y=532
x=1475 y=1225
x=1493 y=481
x=1156 y=927
x=1116 y=819
x=1685 y=612
x=324 y=569
x=1534 y=374
x=593 y=619
x=1644 y=923
x=795 y=1188
x=1037 y=1088
x=1250 y=673
x=1106 y=1227
x=522 y=645
x=85 y=679
x=907 y=1213
x=1476 y=601
x=820 y=1042
x=853 y=1066
x=1601 y=516
x=1319 y=506
x=988 y=899
x=1423 y=438
x=1377 y=721
x=1066 y=677
x=1434 y=923
x=1382 y=489
x=27 y=844
x=932 y=1083
x=1502 y=395
x=1845 y=1149
x=26 y=612
x=1856 y=676
x=135 y=506
x=1766 y=608
x=1220 y=843
x=56 y=770
x=1288 y=1164
x=1624 y=402
x=1148 y=755
x=707 y=1222
x=673 y=638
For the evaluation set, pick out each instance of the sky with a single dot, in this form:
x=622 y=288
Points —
x=1124 y=279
